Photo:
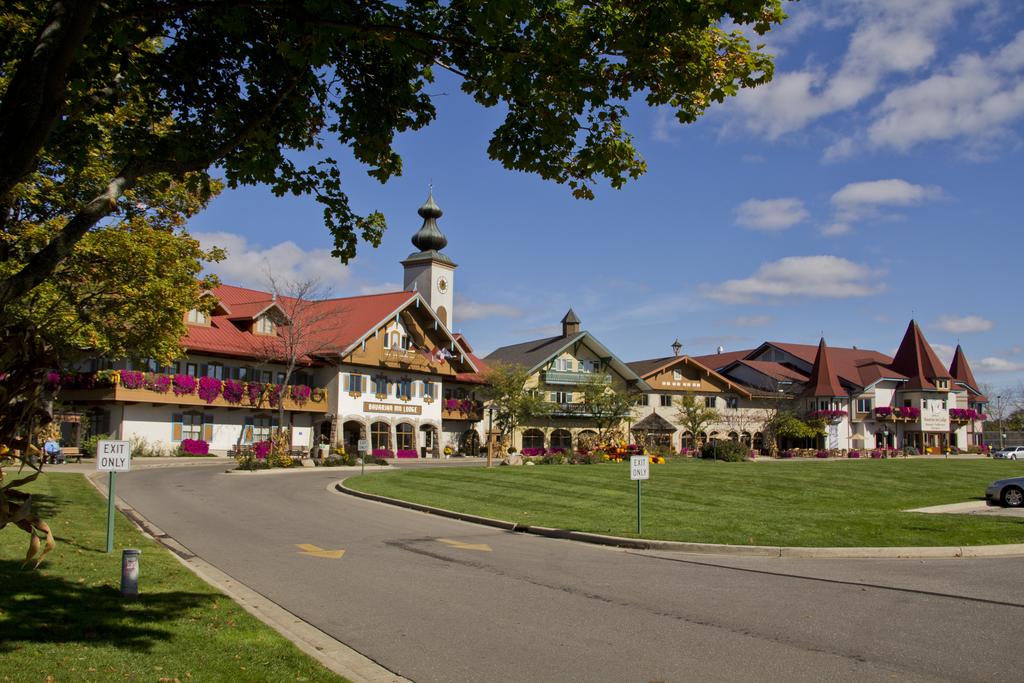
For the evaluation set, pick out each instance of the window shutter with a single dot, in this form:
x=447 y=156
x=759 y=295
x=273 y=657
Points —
x=247 y=431
x=176 y=427
x=363 y=380
x=207 y=428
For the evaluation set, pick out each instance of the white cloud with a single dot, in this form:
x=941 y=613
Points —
x=891 y=192
x=246 y=264
x=843 y=148
x=805 y=276
x=868 y=199
x=466 y=309
x=771 y=214
x=992 y=365
x=380 y=288
x=964 y=324
x=974 y=101
x=752 y=320
x=889 y=37
x=944 y=352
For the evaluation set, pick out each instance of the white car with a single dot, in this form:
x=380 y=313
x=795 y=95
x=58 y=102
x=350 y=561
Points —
x=1010 y=453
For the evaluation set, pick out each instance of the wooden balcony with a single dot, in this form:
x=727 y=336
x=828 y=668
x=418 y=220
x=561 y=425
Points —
x=462 y=409
x=564 y=377
x=317 y=402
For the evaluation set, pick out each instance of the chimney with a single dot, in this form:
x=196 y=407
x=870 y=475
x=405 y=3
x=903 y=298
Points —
x=570 y=324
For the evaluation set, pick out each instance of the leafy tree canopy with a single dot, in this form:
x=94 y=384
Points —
x=693 y=416
x=240 y=84
x=513 y=402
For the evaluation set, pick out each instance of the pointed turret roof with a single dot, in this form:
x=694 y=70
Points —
x=916 y=359
x=824 y=381
x=429 y=239
x=571 y=318
x=961 y=370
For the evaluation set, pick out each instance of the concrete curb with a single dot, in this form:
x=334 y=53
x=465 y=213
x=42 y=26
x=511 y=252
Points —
x=956 y=552
x=332 y=653
x=292 y=470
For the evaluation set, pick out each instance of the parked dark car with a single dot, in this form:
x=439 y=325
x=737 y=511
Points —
x=1008 y=492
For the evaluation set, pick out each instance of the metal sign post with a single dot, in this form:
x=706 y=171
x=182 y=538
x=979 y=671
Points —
x=639 y=469
x=364 y=448
x=112 y=457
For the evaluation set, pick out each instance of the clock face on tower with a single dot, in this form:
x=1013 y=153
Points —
x=442 y=284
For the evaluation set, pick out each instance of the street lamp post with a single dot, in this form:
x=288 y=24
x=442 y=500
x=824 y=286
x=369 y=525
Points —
x=490 y=434
x=999 y=409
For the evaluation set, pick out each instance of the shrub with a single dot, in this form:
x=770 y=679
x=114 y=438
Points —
x=877 y=454
x=193 y=447
x=787 y=454
x=143 y=449
x=88 y=447
x=582 y=458
x=552 y=459
x=380 y=453
x=821 y=454
x=247 y=460
x=378 y=461
x=261 y=449
x=728 y=451
x=853 y=454
x=910 y=450
x=331 y=461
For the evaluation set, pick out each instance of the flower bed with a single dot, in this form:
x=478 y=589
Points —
x=405 y=453
x=966 y=414
x=183 y=384
x=382 y=453
x=195 y=447
x=853 y=454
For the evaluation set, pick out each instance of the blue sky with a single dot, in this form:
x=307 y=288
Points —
x=878 y=177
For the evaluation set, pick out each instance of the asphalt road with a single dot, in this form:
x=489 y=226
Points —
x=489 y=605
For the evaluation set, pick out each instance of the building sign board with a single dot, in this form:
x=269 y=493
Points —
x=639 y=467
x=934 y=418
x=394 y=408
x=113 y=456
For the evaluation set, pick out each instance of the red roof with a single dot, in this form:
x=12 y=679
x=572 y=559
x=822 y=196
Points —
x=471 y=377
x=823 y=381
x=717 y=361
x=961 y=371
x=775 y=370
x=336 y=325
x=916 y=359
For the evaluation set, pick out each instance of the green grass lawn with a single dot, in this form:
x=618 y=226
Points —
x=804 y=503
x=67 y=619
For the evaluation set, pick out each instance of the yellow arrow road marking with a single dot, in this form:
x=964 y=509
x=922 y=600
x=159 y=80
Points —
x=316 y=551
x=466 y=546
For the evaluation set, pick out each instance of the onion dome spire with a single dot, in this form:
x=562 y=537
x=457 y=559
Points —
x=429 y=239
x=429 y=235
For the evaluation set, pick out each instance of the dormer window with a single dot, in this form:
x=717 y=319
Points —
x=197 y=317
x=941 y=384
x=264 y=325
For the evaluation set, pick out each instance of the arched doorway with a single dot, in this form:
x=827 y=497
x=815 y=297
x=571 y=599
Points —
x=351 y=431
x=561 y=438
x=686 y=441
x=469 y=442
x=428 y=449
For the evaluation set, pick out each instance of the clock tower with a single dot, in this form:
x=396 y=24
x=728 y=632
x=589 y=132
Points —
x=428 y=271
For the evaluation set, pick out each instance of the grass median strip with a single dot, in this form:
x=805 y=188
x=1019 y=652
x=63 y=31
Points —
x=806 y=504
x=68 y=621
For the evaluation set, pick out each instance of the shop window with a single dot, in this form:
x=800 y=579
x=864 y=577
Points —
x=404 y=437
x=380 y=435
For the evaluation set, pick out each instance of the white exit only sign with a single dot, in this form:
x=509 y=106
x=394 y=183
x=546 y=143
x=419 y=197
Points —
x=113 y=456
x=639 y=467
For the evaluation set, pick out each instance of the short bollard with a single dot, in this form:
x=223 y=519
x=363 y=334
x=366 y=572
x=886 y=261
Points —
x=130 y=572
